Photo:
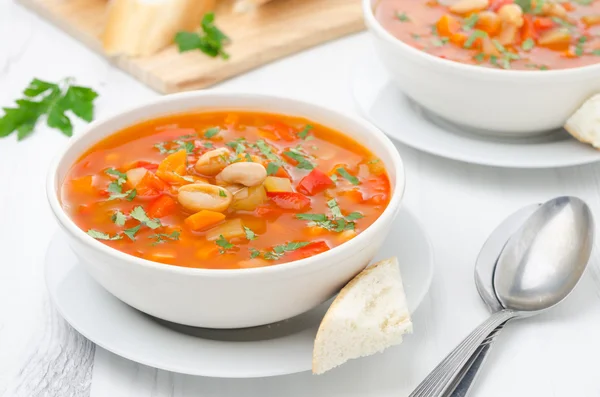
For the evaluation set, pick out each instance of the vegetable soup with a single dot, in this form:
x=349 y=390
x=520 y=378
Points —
x=505 y=34
x=226 y=190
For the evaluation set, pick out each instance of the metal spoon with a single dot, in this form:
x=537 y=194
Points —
x=484 y=281
x=538 y=268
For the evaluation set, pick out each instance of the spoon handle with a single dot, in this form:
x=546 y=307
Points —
x=470 y=371
x=440 y=380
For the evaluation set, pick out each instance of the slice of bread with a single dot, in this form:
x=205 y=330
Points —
x=144 y=27
x=584 y=124
x=369 y=315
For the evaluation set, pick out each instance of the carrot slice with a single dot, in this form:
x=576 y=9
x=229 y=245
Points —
x=173 y=167
x=447 y=25
x=203 y=219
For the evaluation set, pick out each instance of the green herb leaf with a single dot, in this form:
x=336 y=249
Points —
x=222 y=193
x=117 y=173
x=208 y=145
x=402 y=17
x=474 y=36
x=524 y=4
x=579 y=46
x=415 y=36
x=254 y=253
x=119 y=218
x=469 y=22
x=209 y=133
x=210 y=41
x=224 y=244
x=267 y=152
x=272 y=168
x=354 y=216
x=102 y=236
x=313 y=217
x=584 y=2
x=304 y=133
x=250 y=235
x=139 y=214
x=480 y=57
x=528 y=44
x=345 y=174
x=280 y=250
x=562 y=22
x=335 y=209
x=132 y=231
x=51 y=100
x=303 y=163
x=164 y=237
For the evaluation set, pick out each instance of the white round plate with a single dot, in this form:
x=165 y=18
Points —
x=382 y=103
x=276 y=349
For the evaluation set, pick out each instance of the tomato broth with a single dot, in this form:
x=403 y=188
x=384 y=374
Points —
x=180 y=190
x=504 y=34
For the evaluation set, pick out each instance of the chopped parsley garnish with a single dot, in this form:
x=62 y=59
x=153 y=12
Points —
x=579 y=46
x=119 y=218
x=536 y=66
x=210 y=41
x=42 y=98
x=250 y=235
x=209 y=133
x=596 y=52
x=298 y=156
x=224 y=244
x=480 y=57
x=222 y=193
x=103 y=236
x=402 y=17
x=139 y=214
x=469 y=23
x=335 y=209
x=132 y=231
x=170 y=147
x=164 y=237
x=304 y=133
x=268 y=153
x=280 y=250
x=584 y=2
x=528 y=44
x=474 y=36
x=525 y=4
x=208 y=145
x=254 y=253
x=335 y=224
x=115 y=188
x=415 y=36
x=237 y=145
x=346 y=175
x=439 y=41
x=272 y=168
x=374 y=161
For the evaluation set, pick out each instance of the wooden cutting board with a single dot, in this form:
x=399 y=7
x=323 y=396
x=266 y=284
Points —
x=275 y=30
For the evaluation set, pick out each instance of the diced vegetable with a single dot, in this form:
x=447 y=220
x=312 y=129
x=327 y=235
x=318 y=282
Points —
x=528 y=30
x=508 y=34
x=591 y=20
x=447 y=25
x=542 y=23
x=162 y=206
x=277 y=184
x=203 y=220
x=488 y=22
x=207 y=252
x=84 y=185
x=556 y=39
x=231 y=229
x=314 y=183
x=167 y=257
x=150 y=185
x=290 y=200
x=459 y=39
x=267 y=212
x=134 y=176
x=253 y=262
x=173 y=168
x=311 y=249
x=248 y=198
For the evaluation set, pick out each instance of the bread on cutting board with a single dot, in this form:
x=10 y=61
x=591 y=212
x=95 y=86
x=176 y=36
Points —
x=369 y=315
x=144 y=27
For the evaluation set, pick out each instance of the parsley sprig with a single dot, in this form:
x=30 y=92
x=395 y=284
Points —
x=210 y=41
x=336 y=222
x=115 y=188
x=51 y=101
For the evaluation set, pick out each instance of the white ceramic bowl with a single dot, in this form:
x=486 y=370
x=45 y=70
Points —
x=227 y=298
x=493 y=101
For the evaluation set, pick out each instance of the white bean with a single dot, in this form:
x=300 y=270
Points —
x=467 y=6
x=212 y=162
x=247 y=174
x=200 y=196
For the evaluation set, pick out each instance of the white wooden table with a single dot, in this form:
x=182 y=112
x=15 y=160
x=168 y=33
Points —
x=555 y=354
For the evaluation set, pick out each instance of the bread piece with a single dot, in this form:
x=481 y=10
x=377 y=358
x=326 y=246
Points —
x=144 y=27
x=247 y=5
x=584 y=124
x=369 y=315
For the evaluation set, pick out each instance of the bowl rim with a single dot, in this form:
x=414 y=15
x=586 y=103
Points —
x=375 y=27
x=53 y=190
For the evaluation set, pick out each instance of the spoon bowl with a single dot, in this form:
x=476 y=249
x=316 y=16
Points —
x=544 y=260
